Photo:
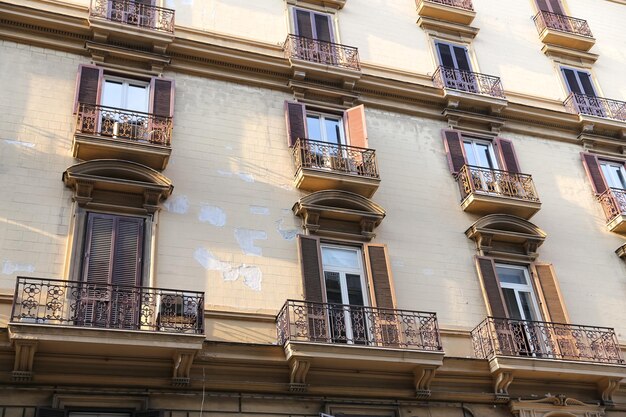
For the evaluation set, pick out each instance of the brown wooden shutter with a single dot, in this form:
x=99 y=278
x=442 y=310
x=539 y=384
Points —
x=162 y=97
x=453 y=143
x=128 y=251
x=551 y=293
x=99 y=248
x=311 y=264
x=49 y=412
x=295 y=117
x=380 y=276
x=594 y=172
x=491 y=285
x=355 y=126
x=507 y=155
x=88 y=85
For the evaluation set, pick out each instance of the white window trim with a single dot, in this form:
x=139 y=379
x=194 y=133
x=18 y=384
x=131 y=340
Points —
x=612 y=173
x=125 y=85
x=334 y=38
x=522 y=287
x=323 y=116
x=489 y=144
x=594 y=84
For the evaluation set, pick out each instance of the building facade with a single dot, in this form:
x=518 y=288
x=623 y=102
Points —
x=292 y=207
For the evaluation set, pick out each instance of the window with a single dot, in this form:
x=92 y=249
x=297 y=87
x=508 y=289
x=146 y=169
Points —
x=552 y=6
x=313 y=25
x=480 y=153
x=519 y=296
x=453 y=56
x=325 y=128
x=614 y=174
x=125 y=94
x=604 y=174
x=578 y=82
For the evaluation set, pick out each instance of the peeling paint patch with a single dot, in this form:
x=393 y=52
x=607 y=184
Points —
x=205 y=258
x=9 y=268
x=246 y=237
x=18 y=143
x=287 y=234
x=224 y=173
x=247 y=177
x=251 y=275
x=178 y=204
x=213 y=215
x=260 y=210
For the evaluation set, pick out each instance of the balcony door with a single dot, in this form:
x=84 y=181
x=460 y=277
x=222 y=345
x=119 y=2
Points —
x=580 y=83
x=310 y=27
x=480 y=154
x=346 y=294
x=552 y=6
x=457 y=72
x=327 y=132
x=121 y=100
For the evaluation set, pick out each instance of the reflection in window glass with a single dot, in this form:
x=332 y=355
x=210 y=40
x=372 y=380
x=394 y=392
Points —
x=333 y=132
x=137 y=98
x=333 y=287
x=314 y=128
x=614 y=174
x=112 y=94
x=511 y=275
x=343 y=258
x=355 y=292
x=511 y=303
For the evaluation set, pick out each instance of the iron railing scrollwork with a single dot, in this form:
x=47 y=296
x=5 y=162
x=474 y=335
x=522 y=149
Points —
x=306 y=321
x=545 y=340
x=321 y=52
x=595 y=106
x=613 y=202
x=82 y=304
x=336 y=158
x=472 y=179
x=545 y=19
x=124 y=124
x=134 y=13
x=471 y=82
x=461 y=4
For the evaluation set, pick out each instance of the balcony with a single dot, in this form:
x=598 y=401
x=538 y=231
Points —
x=322 y=166
x=564 y=31
x=492 y=191
x=613 y=202
x=455 y=11
x=596 y=107
x=470 y=89
x=359 y=338
x=560 y=352
x=111 y=133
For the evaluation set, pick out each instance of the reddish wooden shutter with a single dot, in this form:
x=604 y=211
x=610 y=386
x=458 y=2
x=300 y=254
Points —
x=128 y=251
x=295 y=117
x=162 y=97
x=88 y=85
x=594 y=172
x=491 y=284
x=355 y=126
x=453 y=143
x=311 y=264
x=383 y=294
x=551 y=293
x=99 y=248
x=507 y=155
x=49 y=412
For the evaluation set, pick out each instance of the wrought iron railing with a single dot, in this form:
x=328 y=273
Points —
x=472 y=179
x=82 y=304
x=124 y=124
x=596 y=106
x=134 y=13
x=336 y=158
x=561 y=22
x=461 y=4
x=545 y=340
x=306 y=321
x=613 y=202
x=471 y=82
x=327 y=53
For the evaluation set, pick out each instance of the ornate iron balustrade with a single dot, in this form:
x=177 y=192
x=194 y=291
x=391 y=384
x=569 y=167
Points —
x=471 y=82
x=124 y=124
x=82 y=304
x=461 y=4
x=561 y=22
x=322 y=52
x=134 y=13
x=306 y=321
x=613 y=202
x=473 y=179
x=336 y=158
x=545 y=340
x=596 y=106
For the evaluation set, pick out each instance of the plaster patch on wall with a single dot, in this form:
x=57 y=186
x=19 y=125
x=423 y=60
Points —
x=213 y=215
x=246 y=237
x=9 y=268
x=251 y=275
x=428 y=272
x=287 y=234
x=247 y=177
x=205 y=258
x=260 y=210
x=224 y=173
x=178 y=204
x=18 y=143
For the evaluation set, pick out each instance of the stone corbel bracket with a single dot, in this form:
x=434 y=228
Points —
x=422 y=377
x=181 y=367
x=606 y=389
x=24 y=359
x=501 y=385
x=298 y=370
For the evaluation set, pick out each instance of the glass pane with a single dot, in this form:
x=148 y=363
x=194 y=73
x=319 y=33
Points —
x=445 y=55
x=572 y=81
x=585 y=81
x=333 y=130
x=469 y=153
x=303 y=21
x=484 y=156
x=462 y=60
x=511 y=303
x=355 y=292
x=322 y=27
x=527 y=306
x=313 y=127
x=343 y=258
x=333 y=287
x=614 y=175
x=137 y=98
x=511 y=275
x=112 y=94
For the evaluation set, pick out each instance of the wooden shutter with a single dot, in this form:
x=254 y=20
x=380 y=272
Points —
x=453 y=143
x=99 y=248
x=49 y=412
x=88 y=85
x=356 y=127
x=594 y=172
x=311 y=264
x=162 y=97
x=491 y=285
x=295 y=117
x=128 y=251
x=551 y=293
x=380 y=276
x=507 y=155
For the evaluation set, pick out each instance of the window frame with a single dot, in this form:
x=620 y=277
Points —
x=615 y=164
x=483 y=141
x=451 y=45
x=322 y=117
x=331 y=23
x=517 y=288
x=592 y=80
x=343 y=271
x=126 y=82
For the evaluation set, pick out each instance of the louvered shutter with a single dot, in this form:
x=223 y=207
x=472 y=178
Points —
x=507 y=155
x=303 y=24
x=99 y=248
x=551 y=293
x=295 y=117
x=311 y=264
x=88 y=85
x=162 y=97
x=453 y=143
x=49 y=412
x=491 y=285
x=128 y=251
x=594 y=172
x=356 y=127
